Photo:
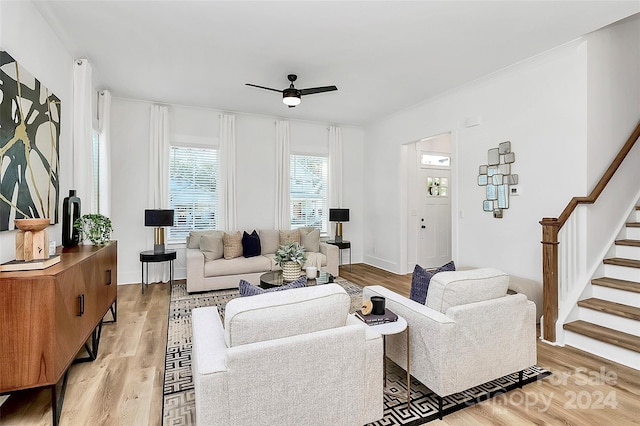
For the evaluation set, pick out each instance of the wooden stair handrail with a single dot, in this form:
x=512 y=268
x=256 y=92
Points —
x=550 y=229
x=604 y=180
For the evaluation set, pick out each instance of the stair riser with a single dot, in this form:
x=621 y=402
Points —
x=628 y=252
x=605 y=350
x=615 y=295
x=626 y=325
x=622 y=272
x=632 y=233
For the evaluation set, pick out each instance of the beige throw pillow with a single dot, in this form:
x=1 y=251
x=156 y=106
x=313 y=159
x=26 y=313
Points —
x=232 y=245
x=310 y=239
x=269 y=240
x=292 y=236
x=212 y=245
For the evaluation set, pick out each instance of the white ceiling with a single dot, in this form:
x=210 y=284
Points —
x=384 y=56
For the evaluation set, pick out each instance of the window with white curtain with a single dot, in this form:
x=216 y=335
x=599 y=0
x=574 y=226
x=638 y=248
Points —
x=194 y=174
x=308 y=191
x=96 y=170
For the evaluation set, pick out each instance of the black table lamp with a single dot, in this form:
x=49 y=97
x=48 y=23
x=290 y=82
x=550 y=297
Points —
x=338 y=215
x=159 y=219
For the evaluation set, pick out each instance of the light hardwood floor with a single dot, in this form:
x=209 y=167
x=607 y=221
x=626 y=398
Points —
x=124 y=385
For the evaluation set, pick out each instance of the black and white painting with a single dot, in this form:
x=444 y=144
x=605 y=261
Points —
x=29 y=146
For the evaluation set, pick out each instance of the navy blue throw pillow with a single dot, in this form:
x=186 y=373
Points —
x=421 y=279
x=251 y=244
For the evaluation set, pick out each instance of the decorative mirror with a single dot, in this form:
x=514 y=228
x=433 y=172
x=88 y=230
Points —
x=496 y=177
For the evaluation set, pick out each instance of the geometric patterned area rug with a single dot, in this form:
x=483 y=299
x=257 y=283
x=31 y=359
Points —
x=178 y=393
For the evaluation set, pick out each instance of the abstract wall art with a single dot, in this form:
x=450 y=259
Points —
x=29 y=146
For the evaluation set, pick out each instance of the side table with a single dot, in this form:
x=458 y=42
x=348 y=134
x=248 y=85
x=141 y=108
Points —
x=387 y=329
x=149 y=256
x=342 y=245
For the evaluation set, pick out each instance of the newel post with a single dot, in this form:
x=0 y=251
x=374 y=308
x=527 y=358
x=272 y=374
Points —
x=550 y=227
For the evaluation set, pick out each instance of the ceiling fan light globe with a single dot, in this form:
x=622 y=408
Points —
x=290 y=99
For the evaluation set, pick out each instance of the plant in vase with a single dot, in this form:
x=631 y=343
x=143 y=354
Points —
x=290 y=257
x=95 y=228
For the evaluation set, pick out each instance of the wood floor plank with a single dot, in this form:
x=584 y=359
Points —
x=125 y=388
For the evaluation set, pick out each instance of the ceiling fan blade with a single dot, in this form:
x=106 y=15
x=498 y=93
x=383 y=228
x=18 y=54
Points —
x=262 y=87
x=313 y=90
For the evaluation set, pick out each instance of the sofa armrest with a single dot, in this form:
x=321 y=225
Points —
x=195 y=270
x=374 y=398
x=332 y=252
x=208 y=359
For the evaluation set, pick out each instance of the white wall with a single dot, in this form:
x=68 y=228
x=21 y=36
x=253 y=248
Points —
x=540 y=106
x=613 y=112
x=29 y=40
x=255 y=138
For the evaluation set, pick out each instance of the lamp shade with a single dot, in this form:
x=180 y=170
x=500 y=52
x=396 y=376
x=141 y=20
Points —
x=158 y=218
x=339 y=215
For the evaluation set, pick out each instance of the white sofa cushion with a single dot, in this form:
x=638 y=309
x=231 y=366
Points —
x=239 y=265
x=286 y=313
x=449 y=289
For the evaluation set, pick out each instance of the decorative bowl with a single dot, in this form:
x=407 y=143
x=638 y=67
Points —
x=32 y=224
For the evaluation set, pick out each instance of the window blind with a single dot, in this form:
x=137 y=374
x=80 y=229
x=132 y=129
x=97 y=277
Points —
x=308 y=191
x=193 y=189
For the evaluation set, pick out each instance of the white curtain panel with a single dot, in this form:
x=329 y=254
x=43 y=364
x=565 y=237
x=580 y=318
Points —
x=335 y=167
x=159 y=176
x=104 y=146
x=227 y=198
x=159 y=158
x=282 y=217
x=82 y=135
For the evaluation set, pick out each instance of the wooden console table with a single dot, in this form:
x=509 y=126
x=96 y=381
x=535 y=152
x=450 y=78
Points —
x=47 y=316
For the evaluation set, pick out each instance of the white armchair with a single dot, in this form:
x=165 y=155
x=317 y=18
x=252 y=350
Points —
x=292 y=357
x=468 y=333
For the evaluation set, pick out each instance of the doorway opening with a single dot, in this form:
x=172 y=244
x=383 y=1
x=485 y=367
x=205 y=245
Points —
x=429 y=230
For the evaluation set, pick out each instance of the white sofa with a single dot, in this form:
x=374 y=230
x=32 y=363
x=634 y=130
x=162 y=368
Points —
x=469 y=332
x=292 y=357
x=207 y=269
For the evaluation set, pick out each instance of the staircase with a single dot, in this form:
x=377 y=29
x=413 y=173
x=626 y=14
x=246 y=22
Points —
x=608 y=323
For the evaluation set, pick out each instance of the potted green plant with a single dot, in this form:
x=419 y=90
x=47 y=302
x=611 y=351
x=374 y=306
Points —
x=95 y=228
x=290 y=257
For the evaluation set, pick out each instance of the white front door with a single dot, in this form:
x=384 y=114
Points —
x=434 y=222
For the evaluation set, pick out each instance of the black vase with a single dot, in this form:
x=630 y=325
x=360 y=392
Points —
x=70 y=213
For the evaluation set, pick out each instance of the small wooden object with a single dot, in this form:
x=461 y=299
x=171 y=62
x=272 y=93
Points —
x=32 y=239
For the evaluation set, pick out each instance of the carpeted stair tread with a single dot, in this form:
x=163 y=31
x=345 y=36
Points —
x=633 y=224
x=626 y=242
x=621 y=261
x=611 y=308
x=604 y=334
x=632 y=286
